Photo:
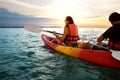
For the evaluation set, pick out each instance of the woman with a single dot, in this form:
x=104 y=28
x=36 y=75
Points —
x=70 y=35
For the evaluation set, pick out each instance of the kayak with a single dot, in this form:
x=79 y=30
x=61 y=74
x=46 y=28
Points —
x=102 y=58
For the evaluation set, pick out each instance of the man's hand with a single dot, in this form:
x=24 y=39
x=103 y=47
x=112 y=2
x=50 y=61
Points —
x=99 y=40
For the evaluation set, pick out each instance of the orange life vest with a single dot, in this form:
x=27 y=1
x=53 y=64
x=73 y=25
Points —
x=115 y=45
x=73 y=33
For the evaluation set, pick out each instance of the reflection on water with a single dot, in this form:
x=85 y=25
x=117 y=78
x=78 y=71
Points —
x=23 y=56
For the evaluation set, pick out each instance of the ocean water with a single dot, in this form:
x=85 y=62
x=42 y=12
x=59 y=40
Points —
x=23 y=56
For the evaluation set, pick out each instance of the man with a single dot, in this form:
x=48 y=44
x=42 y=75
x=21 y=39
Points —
x=113 y=33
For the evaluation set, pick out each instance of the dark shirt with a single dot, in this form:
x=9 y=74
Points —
x=113 y=33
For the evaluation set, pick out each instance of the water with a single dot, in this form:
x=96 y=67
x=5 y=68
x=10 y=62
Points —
x=23 y=56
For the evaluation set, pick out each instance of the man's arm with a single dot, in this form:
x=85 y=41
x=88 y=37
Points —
x=105 y=35
x=99 y=40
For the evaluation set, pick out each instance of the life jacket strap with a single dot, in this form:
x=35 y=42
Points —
x=72 y=38
x=115 y=45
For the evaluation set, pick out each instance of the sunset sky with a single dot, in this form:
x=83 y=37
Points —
x=84 y=12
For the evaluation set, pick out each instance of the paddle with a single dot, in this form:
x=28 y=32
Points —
x=37 y=29
x=116 y=54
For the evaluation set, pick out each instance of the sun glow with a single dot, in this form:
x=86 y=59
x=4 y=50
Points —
x=64 y=4
x=62 y=8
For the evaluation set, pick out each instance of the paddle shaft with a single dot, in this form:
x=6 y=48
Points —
x=51 y=32
x=37 y=29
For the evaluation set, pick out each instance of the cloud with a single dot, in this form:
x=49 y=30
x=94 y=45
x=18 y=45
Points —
x=99 y=7
x=42 y=3
x=17 y=3
x=56 y=8
x=13 y=19
x=23 y=8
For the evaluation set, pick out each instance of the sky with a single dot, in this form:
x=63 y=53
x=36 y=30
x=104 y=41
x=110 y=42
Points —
x=89 y=13
x=12 y=19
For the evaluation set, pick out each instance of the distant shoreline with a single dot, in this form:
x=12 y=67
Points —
x=11 y=26
x=23 y=27
x=45 y=27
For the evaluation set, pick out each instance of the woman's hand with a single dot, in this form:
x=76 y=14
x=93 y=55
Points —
x=54 y=33
x=57 y=36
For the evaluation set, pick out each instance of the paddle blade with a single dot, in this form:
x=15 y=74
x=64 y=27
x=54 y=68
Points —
x=32 y=28
x=116 y=55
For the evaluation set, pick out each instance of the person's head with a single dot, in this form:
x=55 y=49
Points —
x=69 y=20
x=114 y=18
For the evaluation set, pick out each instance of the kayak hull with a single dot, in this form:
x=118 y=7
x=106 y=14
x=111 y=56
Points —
x=102 y=58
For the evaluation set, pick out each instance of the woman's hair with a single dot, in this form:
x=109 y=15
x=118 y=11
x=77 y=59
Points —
x=114 y=17
x=69 y=18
